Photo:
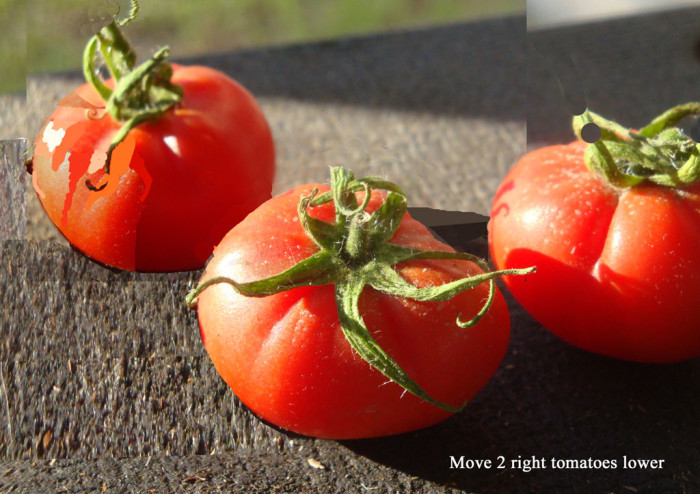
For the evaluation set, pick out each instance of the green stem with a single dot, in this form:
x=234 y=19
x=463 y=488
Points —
x=90 y=72
x=117 y=54
x=670 y=118
x=347 y=296
x=659 y=153
x=142 y=93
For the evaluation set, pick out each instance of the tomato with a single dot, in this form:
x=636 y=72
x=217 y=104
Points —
x=285 y=354
x=178 y=181
x=617 y=252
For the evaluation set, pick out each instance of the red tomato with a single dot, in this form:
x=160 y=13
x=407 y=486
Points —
x=286 y=357
x=618 y=268
x=185 y=179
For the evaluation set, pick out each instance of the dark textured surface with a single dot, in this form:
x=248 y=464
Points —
x=629 y=70
x=104 y=384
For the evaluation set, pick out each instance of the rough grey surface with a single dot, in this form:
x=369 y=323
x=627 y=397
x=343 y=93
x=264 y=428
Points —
x=629 y=71
x=13 y=208
x=104 y=385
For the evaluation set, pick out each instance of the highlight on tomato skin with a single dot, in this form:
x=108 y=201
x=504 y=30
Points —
x=151 y=186
x=613 y=229
x=336 y=315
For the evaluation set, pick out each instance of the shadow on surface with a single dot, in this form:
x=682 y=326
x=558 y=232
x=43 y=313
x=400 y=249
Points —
x=553 y=401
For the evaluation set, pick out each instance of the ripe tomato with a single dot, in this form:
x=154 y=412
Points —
x=181 y=176
x=212 y=153
x=285 y=354
x=618 y=264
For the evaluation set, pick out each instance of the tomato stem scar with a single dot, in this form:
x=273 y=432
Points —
x=355 y=252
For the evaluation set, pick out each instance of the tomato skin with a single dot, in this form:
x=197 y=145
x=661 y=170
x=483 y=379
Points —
x=195 y=172
x=618 y=269
x=285 y=355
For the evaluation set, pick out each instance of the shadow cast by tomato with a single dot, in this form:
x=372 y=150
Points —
x=552 y=400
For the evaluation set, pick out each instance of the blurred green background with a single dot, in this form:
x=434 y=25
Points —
x=13 y=47
x=49 y=35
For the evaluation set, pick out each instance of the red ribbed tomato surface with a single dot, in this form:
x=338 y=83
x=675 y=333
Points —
x=285 y=355
x=618 y=269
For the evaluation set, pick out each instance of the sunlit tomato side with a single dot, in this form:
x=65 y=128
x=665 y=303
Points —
x=618 y=269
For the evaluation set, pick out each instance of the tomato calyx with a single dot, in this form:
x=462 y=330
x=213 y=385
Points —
x=144 y=92
x=354 y=252
x=660 y=152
